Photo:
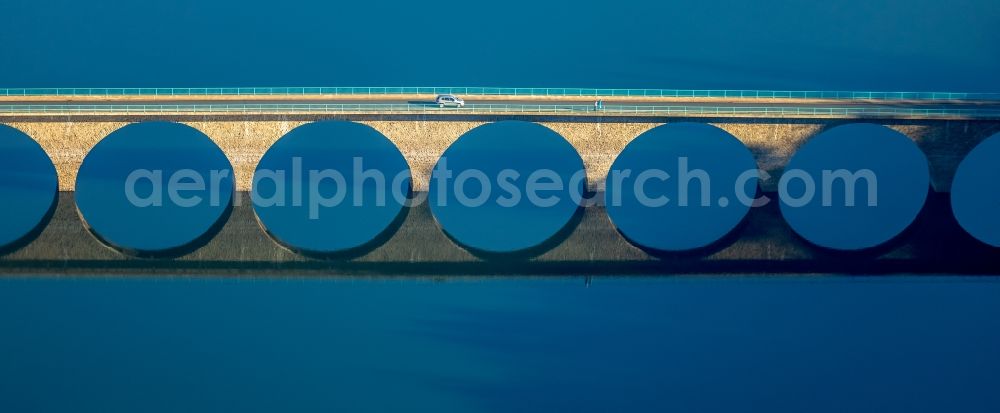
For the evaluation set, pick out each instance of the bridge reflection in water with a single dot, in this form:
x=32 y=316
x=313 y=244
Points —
x=765 y=243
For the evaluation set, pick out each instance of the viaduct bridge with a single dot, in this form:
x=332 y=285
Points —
x=245 y=122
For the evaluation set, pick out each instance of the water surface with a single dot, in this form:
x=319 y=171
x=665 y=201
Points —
x=901 y=45
x=710 y=344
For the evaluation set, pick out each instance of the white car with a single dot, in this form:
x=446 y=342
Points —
x=449 y=100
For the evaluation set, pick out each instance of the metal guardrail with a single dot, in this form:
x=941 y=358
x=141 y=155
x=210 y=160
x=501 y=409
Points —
x=638 y=110
x=486 y=91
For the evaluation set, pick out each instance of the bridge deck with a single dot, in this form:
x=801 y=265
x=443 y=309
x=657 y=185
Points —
x=649 y=103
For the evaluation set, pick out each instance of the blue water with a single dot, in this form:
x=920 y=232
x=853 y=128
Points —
x=536 y=345
x=684 y=344
x=734 y=44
